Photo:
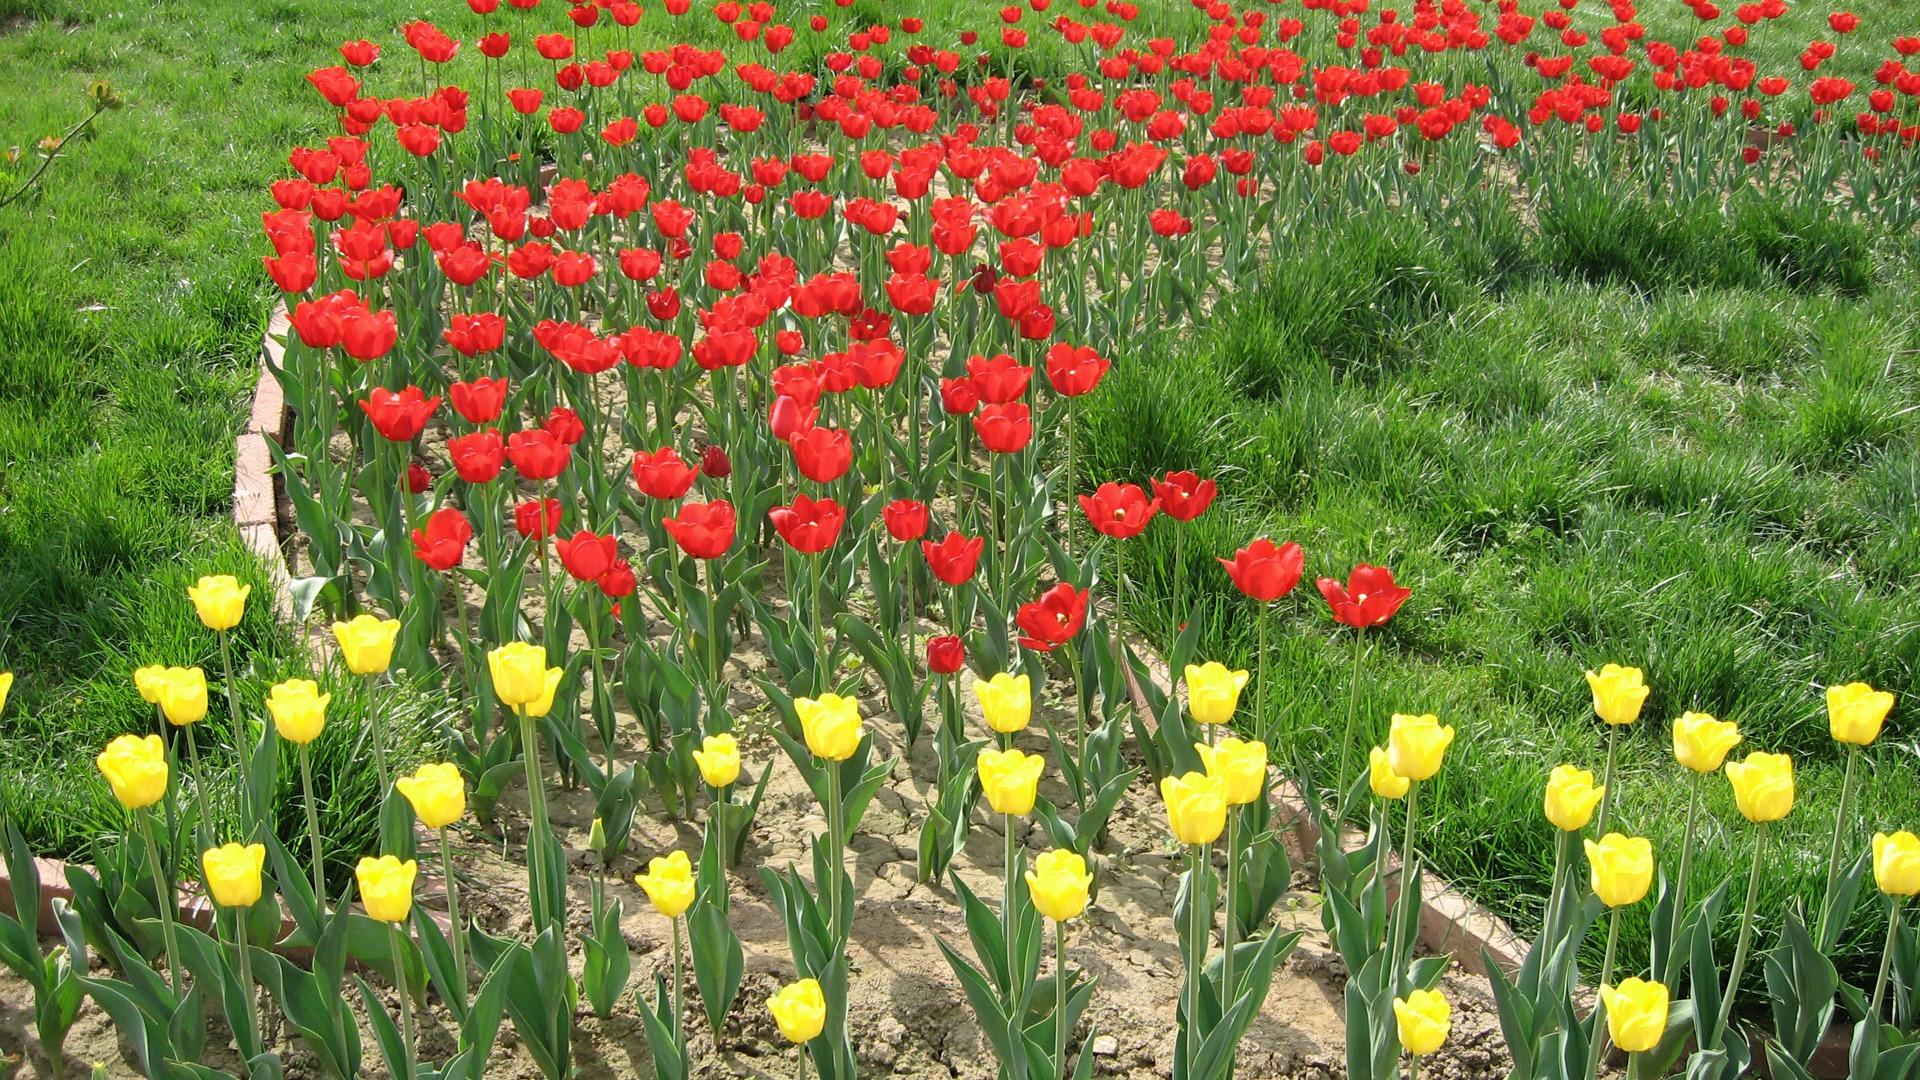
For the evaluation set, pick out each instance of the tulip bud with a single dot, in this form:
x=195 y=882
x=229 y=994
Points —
x=597 y=835
x=219 y=600
x=1762 y=786
x=1424 y=1020
x=1213 y=692
x=1006 y=701
x=1380 y=776
x=136 y=768
x=1241 y=768
x=669 y=883
x=1701 y=743
x=232 y=873
x=366 y=643
x=1572 y=797
x=1416 y=745
x=1618 y=693
x=299 y=710
x=800 y=1010
x=1896 y=863
x=1196 y=807
x=945 y=654
x=1010 y=780
x=1636 y=1014
x=437 y=792
x=831 y=724
x=1622 y=868
x=718 y=759
x=1059 y=883
x=714 y=462
x=1856 y=711
x=183 y=695
x=386 y=887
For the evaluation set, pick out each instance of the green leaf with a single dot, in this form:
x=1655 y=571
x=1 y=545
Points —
x=719 y=963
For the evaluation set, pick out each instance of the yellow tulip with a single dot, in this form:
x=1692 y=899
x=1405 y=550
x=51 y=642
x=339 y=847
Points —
x=1196 y=807
x=669 y=883
x=1896 y=863
x=386 y=887
x=1416 y=745
x=718 y=759
x=299 y=710
x=1856 y=711
x=543 y=704
x=6 y=687
x=519 y=672
x=233 y=873
x=831 y=724
x=800 y=1010
x=366 y=643
x=136 y=768
x=437 y=792
x=1571 y=797
x=1701 y=743
x=220 y=600
x=147 y=681
x=1241 y=767
x=1213 y=692
x=1059 y=882
x=1424 y=1019
x=1622 y=868
x=183 y=695
x=1636 y=1013
x=1006 y=701
x=1010 y=780
x=1618 y=693
x=1763 y=785
x=1380 y=775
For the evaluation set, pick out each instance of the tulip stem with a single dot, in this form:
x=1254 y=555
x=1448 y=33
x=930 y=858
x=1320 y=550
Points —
x=714 y=693
x=1827 y=914
x=1353 y=710
x=823 y=670
x=313 y=825
x=1071 y=481
x=406 y=998
x=718 y=809
x=200 y=781
x=836 y=841
x=536 y=820
x=1196 y=950
x=163 y=891
x=1599 y=1041
x=1746 y=936
x=1409 y=905
x=1606 y=790
x=1060 y=1000
x=379 y=733
x=1886 y=959
x=1227 y=930
x=1006 y=914
x=679 y=1001
x=453 y=918
x=246 y=971
x=1260 y=688
x=1180 y=594
x=239 y=739
x=1670 y=964
x=1413 y=1066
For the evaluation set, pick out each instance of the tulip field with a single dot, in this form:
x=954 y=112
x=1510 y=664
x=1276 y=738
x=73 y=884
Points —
x=1049 y=539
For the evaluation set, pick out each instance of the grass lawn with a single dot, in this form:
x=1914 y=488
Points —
x=1683 y=442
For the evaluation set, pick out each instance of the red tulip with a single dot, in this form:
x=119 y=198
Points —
x=787 y=417
x=1004 y=429
x=565 y=424
x=955 y=558
x=1119 y=510
x=1369 y=599
x=1074 y=371
x=477 y=457
x=398 y=417
x=1054 y=619
x=618 y=581
x=945 y=654
x=587 y=556
x=443 y=544
x=715 y=463
x=661 y=474
x=808 y=526
x=703 y=530
x=528 y=518
x=1265 y=572
x=999 y=380
x=1183 y=495
x=823 y=454
x=906 y=519
x=418 y=478
x=537 y=454
x=958 y=397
